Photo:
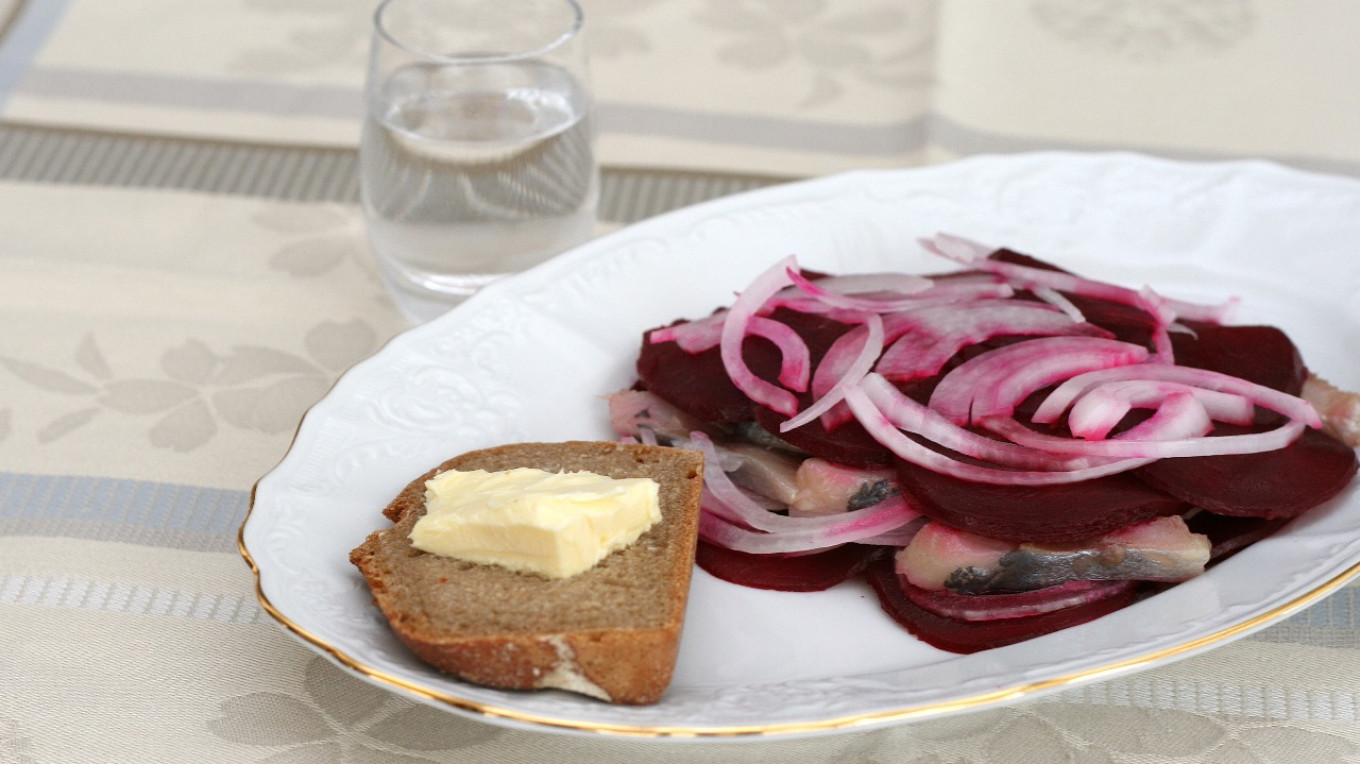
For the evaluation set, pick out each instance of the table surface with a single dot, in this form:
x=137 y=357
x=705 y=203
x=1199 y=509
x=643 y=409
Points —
x=183 y=271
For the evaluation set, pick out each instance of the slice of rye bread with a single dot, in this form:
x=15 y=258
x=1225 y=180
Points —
x=611 y=632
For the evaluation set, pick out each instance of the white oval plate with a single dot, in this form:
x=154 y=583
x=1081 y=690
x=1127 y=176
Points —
x=531 y=358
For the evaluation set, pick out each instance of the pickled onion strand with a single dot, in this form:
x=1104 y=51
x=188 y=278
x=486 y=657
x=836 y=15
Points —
x=1292 y=407
x=867 y=523
x=736 y=327
x=1180 y=416
x=854 y=302
x=795 y=365
x=692 y=336
x=1059 y=300
x=906 y=414
x=899 y=536
x=883 y=431
x=857 y=366
x=1163 y=317
x=1096 y=413
x=993 y=607
x=1117 y=448
x=736 y=506
x=996 y=381
x=977 y=255
x=947 y=292
x=929 y=337
x=872 y=283
x=706 y=333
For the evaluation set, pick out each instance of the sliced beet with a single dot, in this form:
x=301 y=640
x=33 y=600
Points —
x=1261 y=354
x=813 y=572
x=1054 y=514
x=697 y=383
x=1229 y=535
x=1019 y=258
x=1128 y=323
x=1274 y=484
x=972 y=636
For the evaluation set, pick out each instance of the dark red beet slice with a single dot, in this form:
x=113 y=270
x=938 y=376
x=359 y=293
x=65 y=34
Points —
x=1018 y=258
x=812 y=572
x=1229 y=535
x=1129 y=324
x=972 y=636
x=1042 y=514
x=1261 y=354
x=697 y=383
x=1276 y=484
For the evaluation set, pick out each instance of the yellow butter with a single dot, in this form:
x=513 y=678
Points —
x=556 y=524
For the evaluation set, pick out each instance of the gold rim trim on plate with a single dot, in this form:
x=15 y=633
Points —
x=875 y=718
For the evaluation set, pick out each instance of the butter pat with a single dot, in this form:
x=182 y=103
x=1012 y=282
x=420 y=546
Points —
x=556 y=524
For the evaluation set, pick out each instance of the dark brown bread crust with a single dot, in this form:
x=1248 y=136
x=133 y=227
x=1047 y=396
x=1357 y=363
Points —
x=611 y=632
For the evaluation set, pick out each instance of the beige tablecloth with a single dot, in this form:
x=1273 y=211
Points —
x=183 y=271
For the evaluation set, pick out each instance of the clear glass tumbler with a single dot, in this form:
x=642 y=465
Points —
x=477 y=157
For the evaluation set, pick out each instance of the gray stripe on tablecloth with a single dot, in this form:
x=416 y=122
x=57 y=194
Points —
x=292 y=173
x=891 y=141
x=133 y=511
x=143 y=88
x=346 y=103
x=198 y=518
x=78 y=593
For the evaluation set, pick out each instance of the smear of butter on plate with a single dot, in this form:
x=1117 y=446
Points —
x=556 y=524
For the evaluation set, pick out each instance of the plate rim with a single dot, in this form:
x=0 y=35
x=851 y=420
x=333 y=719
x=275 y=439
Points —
x=502 y=714
x=506 y=715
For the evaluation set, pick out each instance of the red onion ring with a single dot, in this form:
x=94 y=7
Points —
x=856 y=366
x=994 y=382
x=736 y=327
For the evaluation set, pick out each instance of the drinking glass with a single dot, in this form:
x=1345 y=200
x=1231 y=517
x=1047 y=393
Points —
x=477 y=158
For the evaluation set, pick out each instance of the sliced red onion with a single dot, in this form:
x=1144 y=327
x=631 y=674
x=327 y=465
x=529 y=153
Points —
x=906 y=414
x=1059 y=300
x=848 y=368
x=993 y=383
x=1180 y=416
x=725 y=498
x=957 y=248
x=1146 y=450
x=737 y=326
x=693 y=336
x=898 y=537
x=992 y=607
x=1063 y=397
x=899 y=296
x=976 y=255
x=795 y=366
x=706 y=333
x=859 y=525
x=930 y=336
x=909 y=450
x=951 y=291
x=1096 y=412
